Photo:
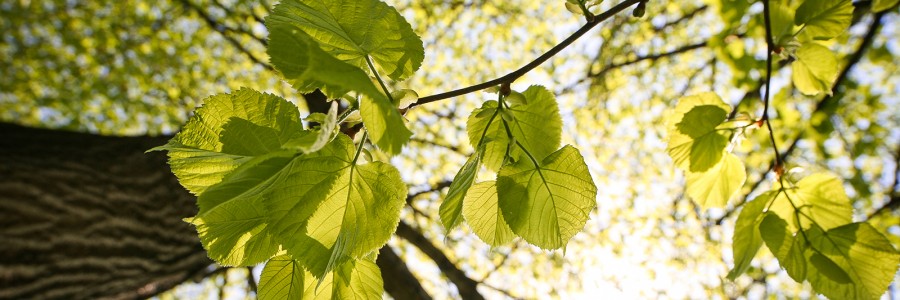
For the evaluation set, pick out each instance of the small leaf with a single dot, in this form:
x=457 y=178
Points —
x=717 y=185
x=311 y=142
x=547 y=204
x=282 y=278
x=782 y=21
x=516 y=98
x=815 y=69
x=452 y=206
x=789 y=250
x=824 y=19
x=404 y=98
x=384 y=125
x=747 y=239
x=359 y=279
x=537 y=125
x=482 y=212
x=350 y=30
x=694 y=142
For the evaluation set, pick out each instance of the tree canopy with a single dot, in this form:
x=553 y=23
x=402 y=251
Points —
x=523 y=149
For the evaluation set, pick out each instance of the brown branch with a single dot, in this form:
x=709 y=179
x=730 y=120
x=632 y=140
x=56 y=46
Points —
x=466 y=286
x=509 y=78
x=854 y=59
x=405 y=285
x=221 y=29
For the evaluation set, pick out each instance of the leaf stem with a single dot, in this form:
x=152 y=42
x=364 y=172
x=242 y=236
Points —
x=508 y=78
x=770 y=46
x=378 y=77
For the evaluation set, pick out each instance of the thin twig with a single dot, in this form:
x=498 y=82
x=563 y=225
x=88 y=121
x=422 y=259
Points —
x=509 y=78
x=770 y=47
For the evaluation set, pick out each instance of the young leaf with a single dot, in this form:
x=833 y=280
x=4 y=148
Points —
x=820 y=196
x=549 y=203
x=782 y=21
x=747 y=239
x=350 y=30
x=384 y=125
x=231 y=221
x=694 y=143
x=815 y=70
x=204 y=151
x=483 y=214
x=313 y=141
x=853 y=261
x=824 y=19
x=717 y=185
x=537 y=125
x=333 y=210
x=282 y=278
x=451 y=208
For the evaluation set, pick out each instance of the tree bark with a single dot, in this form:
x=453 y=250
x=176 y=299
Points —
x=86 y=216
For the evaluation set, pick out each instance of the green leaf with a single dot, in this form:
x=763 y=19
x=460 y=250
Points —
x=204 y=151
x=537 y=125
x=231 y=221
x=747 y=239
x=788 y=249
x=483 y=214
x=307 y=67
x=359 y=279
x=547 y=204
x=451 y=208
x=694 y=143
x=853 y=261
x=782 y=21
x=282 y=278
x=717 y=185
x=384 y=125
x=332 y=210
x=815 y=69
x=350 y=30
x=820 y=196
x=882 y=5
x=824 y=19
x=313 y=141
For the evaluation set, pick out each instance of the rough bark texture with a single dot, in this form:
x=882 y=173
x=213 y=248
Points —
x=86 y=216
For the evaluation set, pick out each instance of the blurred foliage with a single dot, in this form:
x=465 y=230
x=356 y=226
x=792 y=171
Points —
x=136 y=67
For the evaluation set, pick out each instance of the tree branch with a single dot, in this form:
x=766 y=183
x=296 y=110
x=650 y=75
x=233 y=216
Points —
x=509 y=78
x=406 y=285
x=466 y=286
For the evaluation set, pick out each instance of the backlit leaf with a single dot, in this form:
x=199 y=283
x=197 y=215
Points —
x=452 y=206
x=815 y=69
x=824 y=19
x=820 y=196
x=483 y=214
x=547 y=204
x=359 y=279
x=714 y=187
x=350 y=30
x=747 y=239
x=694 y=142
x=282 y=278
x=853 y=261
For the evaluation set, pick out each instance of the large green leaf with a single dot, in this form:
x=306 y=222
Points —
x=549 y=203
x=815 y=69
x=451 y=208
x=231 y=221
x=717 y=185
x=333 y=210
x=537 y=125
x=355 y=279
x=853 y=261
x=483 y=214
x=307 y=67
x=350 y=30
x=824 y=19
x=747 y=240
x=694 y=142
x=820 y=196
x=282 y=278
x=204 y=151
